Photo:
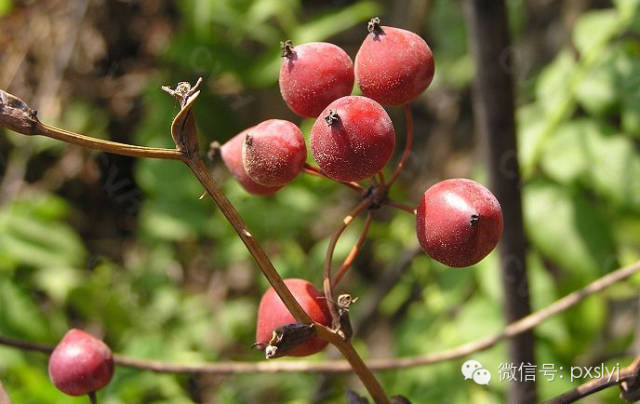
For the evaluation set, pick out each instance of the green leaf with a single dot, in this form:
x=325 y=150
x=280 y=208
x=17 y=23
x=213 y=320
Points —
x=597 y=92
x=594 y=28
x=567 y=229
x=588 y=152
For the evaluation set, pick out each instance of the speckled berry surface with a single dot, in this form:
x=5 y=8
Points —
x=272 y=313
x=352 y=139
x=231 y=153
x=458 y=222
x=80 y=364
x=313 y=75
x=393 y=66
x=274 y=152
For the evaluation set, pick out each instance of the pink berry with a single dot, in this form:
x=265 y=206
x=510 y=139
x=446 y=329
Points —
x=314 y=74
x=393 y=66
x=80 y=364
x=458 y=222
x=231 y=153
x=352 y=139
x=274 y=152
x=272 y=313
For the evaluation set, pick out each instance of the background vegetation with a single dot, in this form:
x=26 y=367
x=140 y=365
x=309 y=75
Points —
x=125 y=249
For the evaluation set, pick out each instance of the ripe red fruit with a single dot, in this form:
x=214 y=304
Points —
x=272 y=313
x=458 y=222
x=352 y=139
x=312 y=75
x=274 y=152
x=80 y=364
x=393 y=66
x=231 y=153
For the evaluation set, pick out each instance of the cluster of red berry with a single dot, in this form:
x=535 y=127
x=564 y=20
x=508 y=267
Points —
x=458 y=221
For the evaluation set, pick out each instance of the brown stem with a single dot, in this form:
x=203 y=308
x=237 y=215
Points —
x=382 y=364
x=408 y=116
x=93 y=398
x=309 y=169
x=357 y=364
x=354 y=251
x=401 y=206
x=327 y=285
x=381 y=177
x=629 y=373
x=106 y=145
x=201 y=172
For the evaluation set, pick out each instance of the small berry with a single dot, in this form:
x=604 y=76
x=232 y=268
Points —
x=352 y=139
x=274 y=152
x=393 y=66
x=314 y=74
x=231 y=153
x=80 y=364
x=272 y=313
x=458 y=222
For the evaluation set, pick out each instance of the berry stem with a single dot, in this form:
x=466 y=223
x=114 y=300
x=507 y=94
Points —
x=354 y=251
x=381 y=177
x=309 y=169
x=327 y=285
x=106 y=145
x=93 y=398
x=199 y=169
x=401 y=206
x=408 y=115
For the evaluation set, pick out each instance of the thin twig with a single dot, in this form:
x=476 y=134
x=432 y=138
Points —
x=354 y=251
x=106 y=145
x=201 y=172
x=383 y=364
x=327 y=284
x=315 y=171
x=629 y=373
x=407 y=146
x=401 y=206
x=93 y=398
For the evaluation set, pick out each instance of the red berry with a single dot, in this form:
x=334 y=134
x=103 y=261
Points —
x=458 y=222
x=274 y=152
x=80 y=364
x=314 y=74
x=352 y=139
x=231 y=153
x=393 y=66
x=272 y=313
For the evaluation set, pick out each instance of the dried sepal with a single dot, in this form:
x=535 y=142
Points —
x=183 y=127
x=16 y=115
x=285 y=338
x=345 y=330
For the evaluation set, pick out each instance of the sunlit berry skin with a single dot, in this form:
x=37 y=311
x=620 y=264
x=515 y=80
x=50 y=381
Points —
x=231 y=153
x=458 y=222
x=314 y=74
x=352 y=139
x=80 y=364
x=272 y=313
x=274 y=152
x=393 y=66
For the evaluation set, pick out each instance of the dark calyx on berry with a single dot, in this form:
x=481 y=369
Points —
x=374 y=26
x=332 y=117
x=287 y=48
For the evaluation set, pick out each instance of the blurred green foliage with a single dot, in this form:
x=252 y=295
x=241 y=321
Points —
x=579 y=126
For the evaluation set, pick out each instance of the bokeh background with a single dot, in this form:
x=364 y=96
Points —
x=125 y=249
